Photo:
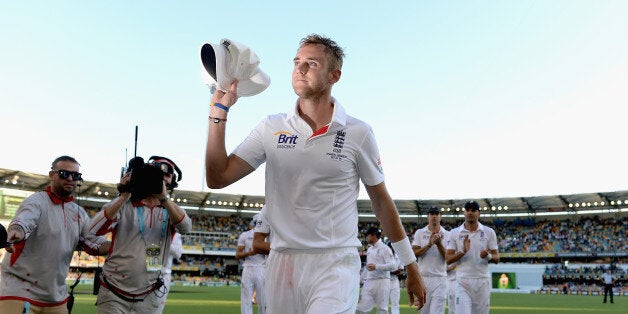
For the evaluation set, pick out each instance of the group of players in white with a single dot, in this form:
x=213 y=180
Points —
x=453 y=264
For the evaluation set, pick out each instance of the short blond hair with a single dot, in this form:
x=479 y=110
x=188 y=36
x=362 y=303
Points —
x=335 y=53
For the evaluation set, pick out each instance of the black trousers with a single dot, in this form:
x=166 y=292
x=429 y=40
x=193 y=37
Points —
x=608 y=289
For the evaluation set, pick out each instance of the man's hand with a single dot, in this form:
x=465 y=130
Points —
x=435 y=238
x=415 y=285
x=125 y=184
x=229 y=98
x=370 y=267
x=164 y=191
x=14 y=234
x=466 y=244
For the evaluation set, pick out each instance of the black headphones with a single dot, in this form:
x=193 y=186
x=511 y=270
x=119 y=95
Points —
x=175 y=179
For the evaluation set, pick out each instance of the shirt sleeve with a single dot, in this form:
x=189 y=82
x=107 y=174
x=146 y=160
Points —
x=100 y=224
x=416 y=238
x=368 y=161
x=388 y=259
x=241 y=240
x=451 y=241
x=251 y=149
x=89 y=240
x=492 y=243
x=262 y=225
x=176 y=248
x=184 y=225
x=28 y=213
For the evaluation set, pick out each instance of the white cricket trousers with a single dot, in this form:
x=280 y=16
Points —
x=451 y=294
x=252 y=280
x=473 y=295
x=395 y=294
x=375 y=292
x=319 y=281
x=436 y=298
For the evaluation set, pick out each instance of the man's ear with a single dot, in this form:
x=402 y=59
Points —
x=335 y=76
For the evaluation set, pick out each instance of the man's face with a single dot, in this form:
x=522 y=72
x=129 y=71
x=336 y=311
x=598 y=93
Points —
x=63 y=187
x=434 y=218
x=471 y=215
x=371 y=239
x=311 y=76
x=167 y=169
x=168 y=178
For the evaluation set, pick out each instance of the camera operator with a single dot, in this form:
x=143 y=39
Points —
x=143 y=220
x=42 y=238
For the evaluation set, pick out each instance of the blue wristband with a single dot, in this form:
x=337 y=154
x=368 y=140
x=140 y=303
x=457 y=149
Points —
x=221 y=106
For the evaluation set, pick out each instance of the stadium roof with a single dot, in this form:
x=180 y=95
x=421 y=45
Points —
x=95 y=194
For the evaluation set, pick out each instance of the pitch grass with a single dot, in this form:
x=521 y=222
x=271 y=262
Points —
x=226 y=300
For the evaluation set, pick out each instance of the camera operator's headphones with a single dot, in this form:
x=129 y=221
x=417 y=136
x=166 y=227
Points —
x=171 y=168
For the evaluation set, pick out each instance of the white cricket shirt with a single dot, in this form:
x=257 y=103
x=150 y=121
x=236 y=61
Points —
x=312 y=178
x=246 y=240
x=471 y=265
x=431 y=263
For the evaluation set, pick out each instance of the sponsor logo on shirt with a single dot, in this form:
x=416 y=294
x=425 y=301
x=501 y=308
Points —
x=286 y=140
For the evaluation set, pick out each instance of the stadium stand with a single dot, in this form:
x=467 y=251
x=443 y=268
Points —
x=585 y=231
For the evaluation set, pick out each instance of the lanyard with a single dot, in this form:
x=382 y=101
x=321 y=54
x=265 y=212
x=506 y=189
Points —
x=140 y=221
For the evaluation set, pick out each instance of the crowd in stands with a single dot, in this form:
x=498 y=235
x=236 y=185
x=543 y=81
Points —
x=232 y=224
x=212 y=241
x=579 y=279
x=213 y=233
x=203 y=264
x=586 y=235
x=561 y=273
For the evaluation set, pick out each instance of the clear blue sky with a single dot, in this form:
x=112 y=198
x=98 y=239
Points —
x=467 y=98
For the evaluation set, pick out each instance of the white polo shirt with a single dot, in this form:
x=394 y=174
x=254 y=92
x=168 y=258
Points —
x=246 y=240
x=312 y=179
x=471 y=265
x=382 y=256
x=431 y=263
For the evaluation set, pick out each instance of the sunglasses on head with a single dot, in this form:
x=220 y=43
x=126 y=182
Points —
x=64 y=174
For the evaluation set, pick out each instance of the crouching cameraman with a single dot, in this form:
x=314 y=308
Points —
x=143 y=220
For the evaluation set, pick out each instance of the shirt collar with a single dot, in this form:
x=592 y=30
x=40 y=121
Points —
x=140 y=203
x=56 y=198
x=480 y=227
x=339 y=116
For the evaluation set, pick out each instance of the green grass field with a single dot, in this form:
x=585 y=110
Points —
x=219 y=300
